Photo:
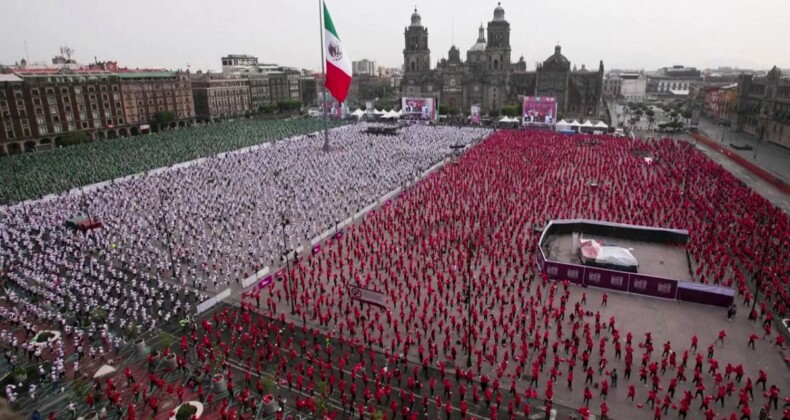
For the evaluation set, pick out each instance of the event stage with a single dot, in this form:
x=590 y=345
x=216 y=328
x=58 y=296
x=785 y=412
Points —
x=661 y=268
x=655 y=259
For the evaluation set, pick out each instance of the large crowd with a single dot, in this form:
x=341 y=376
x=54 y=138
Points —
x=33 y=175
x=220 y=220
x=479 y=216
x=462 y=240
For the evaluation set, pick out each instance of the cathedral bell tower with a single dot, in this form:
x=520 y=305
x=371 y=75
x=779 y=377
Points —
x=497 y=61
x=416 y=55
x=498 y=46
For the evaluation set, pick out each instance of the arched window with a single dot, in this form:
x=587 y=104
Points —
x=496 y=64
x=413 y=66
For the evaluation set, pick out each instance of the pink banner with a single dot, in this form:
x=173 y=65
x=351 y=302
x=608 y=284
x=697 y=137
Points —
x=368 y=296
x=265 y=282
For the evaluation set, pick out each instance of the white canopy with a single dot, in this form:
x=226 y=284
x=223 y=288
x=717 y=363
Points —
x=104 y=371
x=563 y=122
x=601 y=124
x=587 y=124
x=505 y=119
x=358 y=113
x=575 y=123
x=390 y=114
x=377 y=112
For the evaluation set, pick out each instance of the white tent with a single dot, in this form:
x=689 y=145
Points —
x=104 y=371
x=377 y=112
x=390 y=114
x=505 y=119
x=358 y=113
x=562 y=126
x=587 y=124
x=575 y=124
x=601 y=124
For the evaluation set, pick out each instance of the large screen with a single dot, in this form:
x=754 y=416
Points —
x=539 y=110
x=475 y=114
x=418 y=109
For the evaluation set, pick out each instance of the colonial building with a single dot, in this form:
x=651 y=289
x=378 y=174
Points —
x=490 y=79
x=39 y=105
x=763 y=106
x=218 y=97
x=145 y=93
x=673 y=81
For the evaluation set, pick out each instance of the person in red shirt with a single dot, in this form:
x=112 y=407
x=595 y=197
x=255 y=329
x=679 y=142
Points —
x=752 y=339
x=604 y=411
x=587 y=396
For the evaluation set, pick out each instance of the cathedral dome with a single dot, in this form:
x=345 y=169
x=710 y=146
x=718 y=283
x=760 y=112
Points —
x=499 y=13
x=416 y=20
x=480 y=45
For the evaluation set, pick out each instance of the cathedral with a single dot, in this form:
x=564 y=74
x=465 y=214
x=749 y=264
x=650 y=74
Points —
x=488 y=78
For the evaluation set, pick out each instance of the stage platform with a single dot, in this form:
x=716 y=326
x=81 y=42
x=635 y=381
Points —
x=655 y=259
x=664 y=267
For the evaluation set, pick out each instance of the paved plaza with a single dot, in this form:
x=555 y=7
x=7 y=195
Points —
x=456 y=246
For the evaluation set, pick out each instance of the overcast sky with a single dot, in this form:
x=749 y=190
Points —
x=624 y=33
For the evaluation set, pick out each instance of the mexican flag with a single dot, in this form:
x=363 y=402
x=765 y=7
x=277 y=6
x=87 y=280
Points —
x=338 y=65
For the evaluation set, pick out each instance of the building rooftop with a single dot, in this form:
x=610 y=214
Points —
x=10 y=78
x=53 y=71
x=145 y=74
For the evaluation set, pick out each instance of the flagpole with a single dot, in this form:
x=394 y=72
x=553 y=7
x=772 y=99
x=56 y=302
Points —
x=323 y=72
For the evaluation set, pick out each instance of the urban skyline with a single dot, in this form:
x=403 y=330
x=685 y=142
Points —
x=616 y=32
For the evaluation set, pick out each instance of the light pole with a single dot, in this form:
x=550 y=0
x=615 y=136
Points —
x=167 y=233
x=291 y=292
x=470 y=249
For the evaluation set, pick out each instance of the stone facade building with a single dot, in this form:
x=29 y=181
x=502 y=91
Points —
x=38 y=106
x=218 y=97
x=763 y=106
x=145 y=93
x=490 y=79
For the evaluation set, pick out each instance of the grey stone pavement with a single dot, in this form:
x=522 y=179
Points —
x=770 y=157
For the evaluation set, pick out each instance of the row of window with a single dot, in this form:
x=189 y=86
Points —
x=44 y=129
x=65 y=90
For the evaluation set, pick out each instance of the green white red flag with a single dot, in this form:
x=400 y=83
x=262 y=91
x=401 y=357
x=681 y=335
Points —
x=338 y=65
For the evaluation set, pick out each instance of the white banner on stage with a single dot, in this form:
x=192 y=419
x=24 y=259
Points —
x=368 y=296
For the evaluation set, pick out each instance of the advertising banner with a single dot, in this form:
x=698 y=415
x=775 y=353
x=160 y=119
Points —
x=334 y=109
x=475 y=114
x=369 y=109
x=560 y=271
x=539 y=110
x=607 y=279
x=418 y=109
x=653 y=286
x=368 y=296
x=265 y=282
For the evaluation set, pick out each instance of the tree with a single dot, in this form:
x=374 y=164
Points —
x=289 y=105
x=510 y=110
x=73 y=137
x=650 y=113
x=686 y=114
x=444 y=109
x=267 y=109
x=493 y=113
x=163 y=119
